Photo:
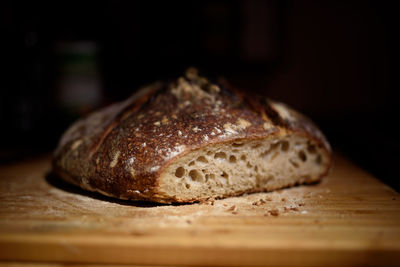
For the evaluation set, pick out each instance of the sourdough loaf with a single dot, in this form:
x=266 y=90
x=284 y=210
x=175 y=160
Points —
x=190 y=140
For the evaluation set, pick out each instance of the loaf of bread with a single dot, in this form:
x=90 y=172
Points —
x=190 y=140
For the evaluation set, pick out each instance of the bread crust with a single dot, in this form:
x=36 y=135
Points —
x=122 y=150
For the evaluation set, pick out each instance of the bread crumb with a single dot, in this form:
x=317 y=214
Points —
x=235 y=212
x=208 y=201
x=304 y=212
x=157 y=123
x=259 y=202
x=308 y=195
x=274 y=212
x=290 y=208
x=232 y=208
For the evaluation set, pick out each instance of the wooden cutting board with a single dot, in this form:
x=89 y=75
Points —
x=349 y=219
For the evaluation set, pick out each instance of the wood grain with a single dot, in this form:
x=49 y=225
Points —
x=349 y=219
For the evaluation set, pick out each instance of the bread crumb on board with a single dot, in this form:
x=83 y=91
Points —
x=273 y=212
x=259 y=202
x=290 y=209
x=232 y=208
x=208 y=201
x=267 y=203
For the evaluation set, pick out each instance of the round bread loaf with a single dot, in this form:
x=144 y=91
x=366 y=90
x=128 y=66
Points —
x=190 y=140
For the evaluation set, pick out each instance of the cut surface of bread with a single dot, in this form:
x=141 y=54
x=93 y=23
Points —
x=190 y=140
x=243 y=166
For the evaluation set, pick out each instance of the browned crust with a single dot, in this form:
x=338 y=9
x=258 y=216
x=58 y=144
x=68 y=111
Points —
x=121 y=151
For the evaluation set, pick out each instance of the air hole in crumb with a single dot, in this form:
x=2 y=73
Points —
x=235 y=150
x=209 y=153
x=195 y=175
x=232 y=159
x=285 y=146
x=270 y=149
x=274 y=146
x=225 y=175
x=237 y=144
x=179 y=172
x=295 y=164
x=203 y=171
x=187 y=186
x=243 y=157
x=249 y=165
x=256 y=168
x=191 y=163
x=311 y=148
x=220 y=155
x=318 y=160
x=302 y=155
x=202 y=159
x=212 y=176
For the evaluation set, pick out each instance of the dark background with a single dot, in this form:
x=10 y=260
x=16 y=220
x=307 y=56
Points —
x=332 y=60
